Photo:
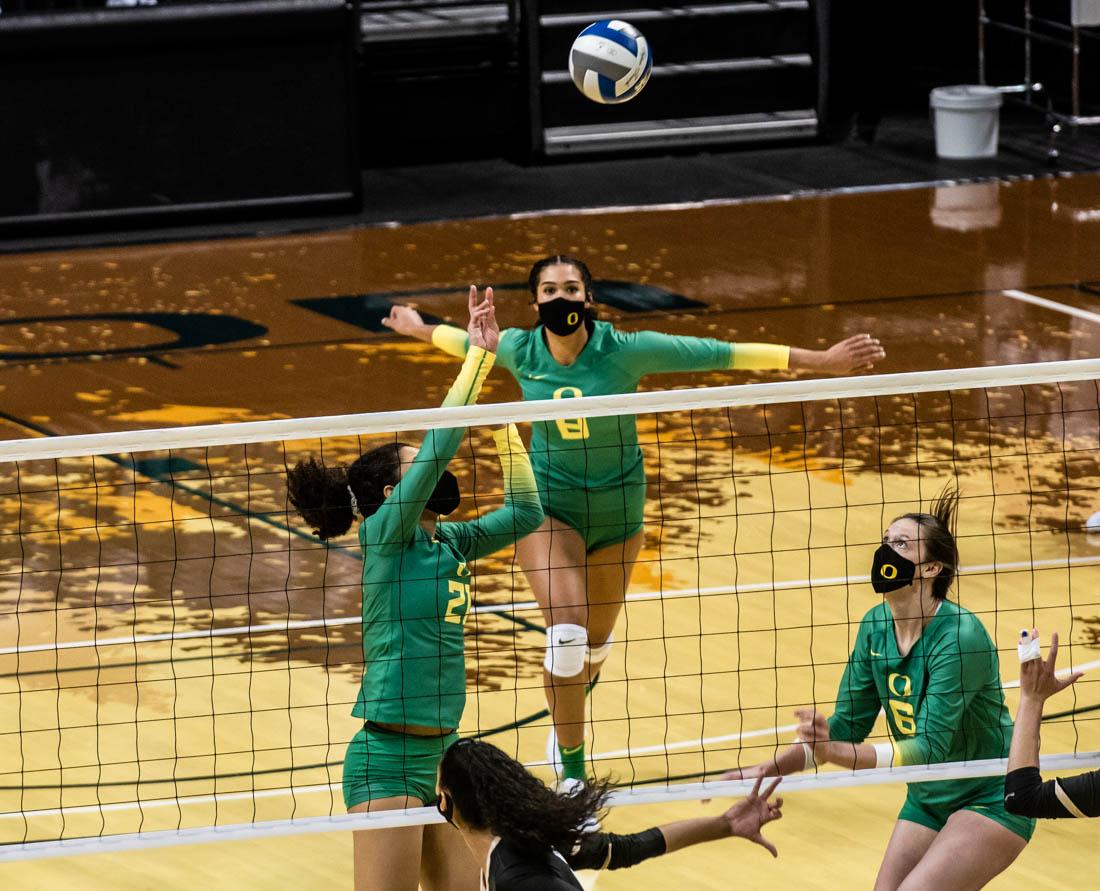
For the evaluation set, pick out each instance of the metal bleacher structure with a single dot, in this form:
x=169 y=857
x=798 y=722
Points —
x=723 y=72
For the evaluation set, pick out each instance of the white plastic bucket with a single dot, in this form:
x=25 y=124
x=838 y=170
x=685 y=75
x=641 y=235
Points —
x=966 y=120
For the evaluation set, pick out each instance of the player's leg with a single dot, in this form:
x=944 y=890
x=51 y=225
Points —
x=387 y=859
x=908 y=844
x=553 y=560
x=969 y=851
x=446 y=863
x=609 y=572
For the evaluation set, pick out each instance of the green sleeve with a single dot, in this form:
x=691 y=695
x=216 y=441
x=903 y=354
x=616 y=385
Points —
x=857 y=699
x=393 y=524
x=456 y=342
x=957 y=672
x=522 y=511
x=651 y=352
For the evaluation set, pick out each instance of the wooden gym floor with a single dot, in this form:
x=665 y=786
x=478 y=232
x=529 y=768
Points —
x=252 y=725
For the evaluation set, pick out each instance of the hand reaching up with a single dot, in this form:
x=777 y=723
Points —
x=483 y=329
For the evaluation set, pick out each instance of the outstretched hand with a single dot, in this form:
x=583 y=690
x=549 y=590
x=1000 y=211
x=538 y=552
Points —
x=483 y=329
x=857 y=353
x=404 y=320
x=747 y=816
x=1037 y=678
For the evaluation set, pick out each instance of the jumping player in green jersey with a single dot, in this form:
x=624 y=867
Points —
x=416 y=600
x=589 y=470
x=932 y=667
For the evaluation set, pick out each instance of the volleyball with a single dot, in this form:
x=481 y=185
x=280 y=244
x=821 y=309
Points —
x=610 y=61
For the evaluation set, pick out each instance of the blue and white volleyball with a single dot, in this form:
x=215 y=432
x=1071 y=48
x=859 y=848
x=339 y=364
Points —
x=610 y=62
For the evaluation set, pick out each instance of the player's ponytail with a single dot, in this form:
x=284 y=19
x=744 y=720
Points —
x=323 y=495
x=937 y=533
x=494 y=792
x=320 y=495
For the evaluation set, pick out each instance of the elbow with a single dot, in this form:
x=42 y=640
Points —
x=532 y=518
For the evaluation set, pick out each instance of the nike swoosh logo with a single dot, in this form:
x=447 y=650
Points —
x=567 y=640
x=536 y=377
x=873 y=653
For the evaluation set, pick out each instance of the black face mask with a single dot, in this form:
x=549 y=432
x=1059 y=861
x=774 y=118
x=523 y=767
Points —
x=445 y=498
x=890 y=570
x=562 y=316
x=446 y=808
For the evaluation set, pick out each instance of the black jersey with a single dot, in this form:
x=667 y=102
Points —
x=510 y=867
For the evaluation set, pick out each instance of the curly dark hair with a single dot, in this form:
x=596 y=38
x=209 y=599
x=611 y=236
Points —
x=320 y=494
x=565 y=260
x=494 y=792
x=937 y=531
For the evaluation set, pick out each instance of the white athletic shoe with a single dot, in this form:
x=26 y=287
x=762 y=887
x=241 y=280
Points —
x=553 y=755
x=568 y=785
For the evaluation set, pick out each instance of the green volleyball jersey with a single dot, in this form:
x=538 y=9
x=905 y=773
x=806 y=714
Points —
x=943 y=700
x=592 y=452
x=416 y=587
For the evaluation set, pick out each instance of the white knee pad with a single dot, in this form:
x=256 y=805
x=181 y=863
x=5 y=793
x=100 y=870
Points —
x=566 y=646
x=598 y=654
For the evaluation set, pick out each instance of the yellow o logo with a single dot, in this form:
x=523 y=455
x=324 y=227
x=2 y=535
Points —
x=573 y=318
x=889 y=572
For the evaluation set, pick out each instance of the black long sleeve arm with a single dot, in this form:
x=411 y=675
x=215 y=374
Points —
x=1028 y=796
x=605 y=850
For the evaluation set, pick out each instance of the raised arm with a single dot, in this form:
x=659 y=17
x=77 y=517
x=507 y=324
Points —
x=650 y=352
x=1025 y=792
x=395 y=521
x=522 y=510
x=407 y=321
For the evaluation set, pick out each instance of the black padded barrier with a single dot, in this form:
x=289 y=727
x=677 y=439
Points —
x=160 y=114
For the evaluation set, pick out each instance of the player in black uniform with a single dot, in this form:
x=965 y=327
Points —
x=1025 y=792
x=529 y=838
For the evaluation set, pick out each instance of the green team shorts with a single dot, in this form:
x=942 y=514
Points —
x=603 y=515
x=383 y=764
x=988 y=800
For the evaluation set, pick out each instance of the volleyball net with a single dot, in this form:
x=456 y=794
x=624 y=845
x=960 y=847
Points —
x=179 y=655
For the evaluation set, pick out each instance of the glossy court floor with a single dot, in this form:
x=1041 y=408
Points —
x=784 y=505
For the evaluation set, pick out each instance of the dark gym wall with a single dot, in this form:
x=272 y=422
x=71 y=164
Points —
x=162 y=112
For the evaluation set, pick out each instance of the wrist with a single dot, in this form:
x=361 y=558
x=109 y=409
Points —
x=806 y=360
x=718 y=827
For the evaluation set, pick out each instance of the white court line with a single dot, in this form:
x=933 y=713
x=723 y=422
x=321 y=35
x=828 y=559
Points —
x=306 y=790
x=1025 y=297
x=532 y=606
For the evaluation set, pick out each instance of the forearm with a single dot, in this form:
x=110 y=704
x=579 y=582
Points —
x=855 y=756
x=1028 y=796
x=1024 y=751
x=521 y=494
x=761 y=356
x=522 y=511
x=467 y=386
x=806 y=360
x=605 y=850
x=685 y=833
x=791 y=760
x=448 y=338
